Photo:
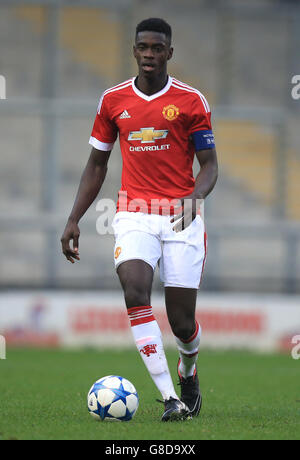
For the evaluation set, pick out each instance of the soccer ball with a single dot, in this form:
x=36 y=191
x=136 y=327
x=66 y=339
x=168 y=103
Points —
x=112 y=398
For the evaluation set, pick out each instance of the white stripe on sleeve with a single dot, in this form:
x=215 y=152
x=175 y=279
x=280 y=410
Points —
x=100 y=145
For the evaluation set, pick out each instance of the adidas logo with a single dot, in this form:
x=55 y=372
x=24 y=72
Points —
x=125 y=114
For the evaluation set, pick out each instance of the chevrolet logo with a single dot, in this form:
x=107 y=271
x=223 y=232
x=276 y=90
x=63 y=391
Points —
x=148 y=135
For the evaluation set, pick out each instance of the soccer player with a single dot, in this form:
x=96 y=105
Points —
x=161 y=123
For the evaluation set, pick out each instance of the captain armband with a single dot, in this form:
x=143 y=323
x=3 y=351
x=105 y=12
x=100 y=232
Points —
x=203 y=139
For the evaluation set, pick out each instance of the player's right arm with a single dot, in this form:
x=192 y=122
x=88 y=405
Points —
x=90 y=184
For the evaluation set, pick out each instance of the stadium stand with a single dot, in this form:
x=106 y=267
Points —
x=248 y=158
x=247 y=149
x=86 y=33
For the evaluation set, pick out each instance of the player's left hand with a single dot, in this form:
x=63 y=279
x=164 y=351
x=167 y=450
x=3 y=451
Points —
x=188 y=208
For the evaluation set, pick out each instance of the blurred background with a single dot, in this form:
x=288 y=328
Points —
x=57 y=56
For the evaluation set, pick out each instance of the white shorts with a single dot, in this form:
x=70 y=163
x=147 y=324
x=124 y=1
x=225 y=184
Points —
x=149 y=237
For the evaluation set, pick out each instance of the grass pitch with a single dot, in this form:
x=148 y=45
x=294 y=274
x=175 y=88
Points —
x=245 y=396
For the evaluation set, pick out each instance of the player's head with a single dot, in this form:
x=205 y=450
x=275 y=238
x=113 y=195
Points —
x=155 y=25
x=152 y=47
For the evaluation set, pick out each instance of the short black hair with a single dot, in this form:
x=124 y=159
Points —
x=155 y=25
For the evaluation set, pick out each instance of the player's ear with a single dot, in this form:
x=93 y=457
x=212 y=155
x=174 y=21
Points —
x=170 y=54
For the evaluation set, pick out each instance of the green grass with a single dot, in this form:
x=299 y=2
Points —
x=245 y=396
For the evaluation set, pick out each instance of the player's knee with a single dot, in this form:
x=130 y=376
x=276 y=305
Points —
x=135 y=297
x=182 y=329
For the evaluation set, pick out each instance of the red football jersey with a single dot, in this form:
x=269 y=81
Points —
x=158 y=136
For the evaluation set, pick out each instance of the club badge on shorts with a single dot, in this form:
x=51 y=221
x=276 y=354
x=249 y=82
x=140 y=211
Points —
x=117 y=252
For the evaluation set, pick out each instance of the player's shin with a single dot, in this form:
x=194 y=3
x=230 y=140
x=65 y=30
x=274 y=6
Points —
x=148 y=339
x=188 y=351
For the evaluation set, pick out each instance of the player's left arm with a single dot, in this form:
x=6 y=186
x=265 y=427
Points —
x=204 y=184
x=208 y=174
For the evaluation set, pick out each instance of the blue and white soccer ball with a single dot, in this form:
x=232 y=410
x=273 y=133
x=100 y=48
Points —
x=112 y=398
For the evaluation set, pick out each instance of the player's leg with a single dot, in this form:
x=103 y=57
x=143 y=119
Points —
x=181 y=306
x=181 y=268
x=136 y=278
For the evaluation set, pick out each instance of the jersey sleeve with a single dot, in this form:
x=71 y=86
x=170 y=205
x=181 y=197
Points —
x=200 y=128
x=105 y=132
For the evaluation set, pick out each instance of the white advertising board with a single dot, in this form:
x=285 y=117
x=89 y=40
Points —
x=99 y=319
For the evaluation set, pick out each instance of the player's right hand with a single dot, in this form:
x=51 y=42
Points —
x=71 y=232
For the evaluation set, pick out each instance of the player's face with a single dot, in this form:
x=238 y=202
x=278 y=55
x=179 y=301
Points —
x=152 y=50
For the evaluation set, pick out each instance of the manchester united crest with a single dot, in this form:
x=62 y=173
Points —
x=117 y=252
x=170 y=112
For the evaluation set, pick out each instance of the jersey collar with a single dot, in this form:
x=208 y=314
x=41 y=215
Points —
x=155 y=95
